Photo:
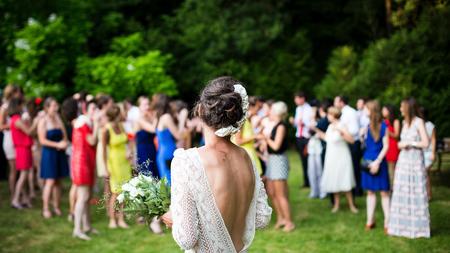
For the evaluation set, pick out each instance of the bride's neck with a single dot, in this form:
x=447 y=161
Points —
x=212 y=140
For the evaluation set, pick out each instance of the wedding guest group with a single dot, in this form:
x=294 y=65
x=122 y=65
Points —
x=95 y=144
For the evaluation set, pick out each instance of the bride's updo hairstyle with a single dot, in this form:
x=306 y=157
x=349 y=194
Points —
x=219 y=105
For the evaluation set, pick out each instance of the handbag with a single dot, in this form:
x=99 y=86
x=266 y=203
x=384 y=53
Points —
x=365 y=167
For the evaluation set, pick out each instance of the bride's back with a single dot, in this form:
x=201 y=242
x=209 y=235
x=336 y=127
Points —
x=232 y=181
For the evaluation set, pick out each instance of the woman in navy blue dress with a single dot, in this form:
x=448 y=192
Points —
x=145 y=140
x=54 y=164
x=377 y=178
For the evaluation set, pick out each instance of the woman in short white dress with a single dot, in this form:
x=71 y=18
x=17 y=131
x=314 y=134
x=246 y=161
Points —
x=338 y=169
x=9 y=92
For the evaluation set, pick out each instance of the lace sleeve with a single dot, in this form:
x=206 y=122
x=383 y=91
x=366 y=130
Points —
x=184 y=213
x=263 y=210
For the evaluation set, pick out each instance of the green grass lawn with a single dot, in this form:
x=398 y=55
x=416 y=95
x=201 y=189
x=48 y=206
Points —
x=317 y=229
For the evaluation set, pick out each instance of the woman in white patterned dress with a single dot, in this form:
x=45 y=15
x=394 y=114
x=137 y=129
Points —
x=409 y=216
x=218 y=198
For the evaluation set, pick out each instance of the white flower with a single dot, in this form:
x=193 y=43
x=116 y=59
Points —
x=120 y=198
x=140 y=192
x=130 y=67
x=22 y=44
x=134 y=193
x=134 y=181
x=52 y=17
x=148 y=179
x=32 y=21
x=127 y=187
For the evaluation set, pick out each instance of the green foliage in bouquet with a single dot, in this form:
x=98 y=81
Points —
x=145 y=196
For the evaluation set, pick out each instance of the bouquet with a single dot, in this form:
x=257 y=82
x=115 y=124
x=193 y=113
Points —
x=145 y=196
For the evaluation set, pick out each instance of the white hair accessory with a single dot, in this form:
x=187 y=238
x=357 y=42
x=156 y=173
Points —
x=225 y=131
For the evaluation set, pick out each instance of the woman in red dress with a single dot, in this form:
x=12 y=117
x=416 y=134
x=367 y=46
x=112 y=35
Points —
x=21 y=131
x=393 y=125
x=83 y=168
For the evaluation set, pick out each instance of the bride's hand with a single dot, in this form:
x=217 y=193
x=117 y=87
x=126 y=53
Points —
x=167 y=219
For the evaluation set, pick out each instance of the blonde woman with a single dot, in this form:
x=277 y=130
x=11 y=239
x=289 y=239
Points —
x=278 y=166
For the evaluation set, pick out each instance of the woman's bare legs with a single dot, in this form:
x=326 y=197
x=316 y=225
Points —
x=12 y=177
x=57 y=197
x=281 y=193
x=385 y=204
x=107 y=194
x=31 y=186
x=46 y=194
x=80 y=209
x=371 y=205
x=391 y=167
x=271 y=192
x=112 y=211
x=20 y=190
x=120 y=218
x=72 y=201
x=351 y=205
x=336 y=202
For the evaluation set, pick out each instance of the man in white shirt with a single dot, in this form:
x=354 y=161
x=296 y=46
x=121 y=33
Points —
x=363 y=119
x=302 y=121
x=350 y=120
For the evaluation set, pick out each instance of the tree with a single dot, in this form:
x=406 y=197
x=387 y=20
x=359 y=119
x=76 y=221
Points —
x=125 y=76
x=45 y=55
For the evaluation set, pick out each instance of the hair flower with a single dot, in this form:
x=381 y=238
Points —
x=226 y=131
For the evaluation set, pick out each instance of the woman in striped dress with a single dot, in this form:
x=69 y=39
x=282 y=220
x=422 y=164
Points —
x=409 y=216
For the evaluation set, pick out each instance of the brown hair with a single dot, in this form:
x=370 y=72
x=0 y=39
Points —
x=113 y=112
x=160 y=104
x=219 y=105
x=9 y=91
x=335 y=112
x=102 y=100
x=411 y=109
x=15 y=106
x=375 y=119
x=48 y=101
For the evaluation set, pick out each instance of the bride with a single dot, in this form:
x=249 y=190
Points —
x=218 y=198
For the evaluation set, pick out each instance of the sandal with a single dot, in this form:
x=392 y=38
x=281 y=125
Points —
x=279 y=225
x=289 y=228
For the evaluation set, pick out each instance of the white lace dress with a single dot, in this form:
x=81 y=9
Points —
x=197 y=223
